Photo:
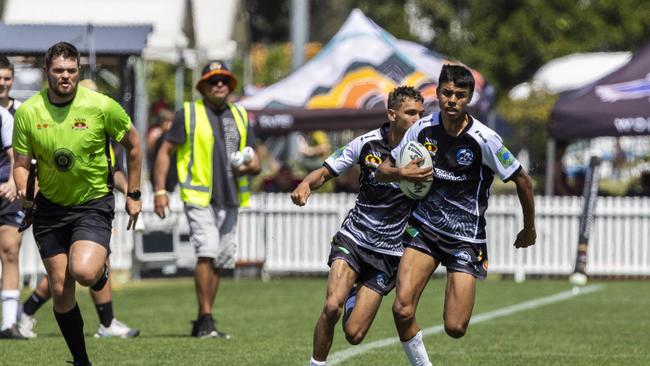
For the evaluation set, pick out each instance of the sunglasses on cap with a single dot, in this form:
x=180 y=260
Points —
x=215 y=80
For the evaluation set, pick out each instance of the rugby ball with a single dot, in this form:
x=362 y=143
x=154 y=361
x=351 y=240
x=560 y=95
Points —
x=414 y=150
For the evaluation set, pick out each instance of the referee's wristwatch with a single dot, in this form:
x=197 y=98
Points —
x=134 y=195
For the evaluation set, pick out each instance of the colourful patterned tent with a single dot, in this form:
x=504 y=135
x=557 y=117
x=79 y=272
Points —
x=346 y=84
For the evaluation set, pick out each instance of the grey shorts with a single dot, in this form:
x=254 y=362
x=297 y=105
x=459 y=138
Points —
x=212 y=233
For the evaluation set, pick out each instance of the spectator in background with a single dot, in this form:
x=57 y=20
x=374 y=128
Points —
x=578 y=182
x=348 y=182
x=283 y=182
x=154 y=141
x=313 y=149
x=215 y=157
x=643 y=190
x=560 y=182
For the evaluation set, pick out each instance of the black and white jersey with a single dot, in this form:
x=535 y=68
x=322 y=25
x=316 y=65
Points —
x=6 y=133
x=464 y=168
x=380 y=214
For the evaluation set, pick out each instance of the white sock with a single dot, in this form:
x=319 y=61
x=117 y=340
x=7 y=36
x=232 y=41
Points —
x=9 y=307
x=313 y=362
x=415 y=351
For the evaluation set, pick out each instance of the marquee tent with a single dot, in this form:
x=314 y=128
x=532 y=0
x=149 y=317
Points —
x=346 y=84
x=616 y=105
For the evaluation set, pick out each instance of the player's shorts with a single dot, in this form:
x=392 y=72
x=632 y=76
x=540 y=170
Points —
x=213 y=233
x=11 y=213
x=455 y=255
x=56 y=227
x=376 y=271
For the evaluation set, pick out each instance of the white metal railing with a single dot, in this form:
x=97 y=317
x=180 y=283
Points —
x=286 y=238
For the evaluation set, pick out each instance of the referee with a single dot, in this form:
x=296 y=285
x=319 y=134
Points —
x=67 y=128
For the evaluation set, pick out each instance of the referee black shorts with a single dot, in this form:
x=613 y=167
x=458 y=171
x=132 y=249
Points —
x=56 y=227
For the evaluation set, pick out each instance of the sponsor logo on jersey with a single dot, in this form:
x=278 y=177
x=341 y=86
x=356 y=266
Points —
x=337 y=153
x=634 y=89
x=479 y=134
x=447 y=175
x=505 y=157
x=464 y=156
x=42 y=125
x=463 y=256
x=79 y=124
x=413 y=232
x=381 y=279
x=431 y=145
x=373 y=160
x=343 y=249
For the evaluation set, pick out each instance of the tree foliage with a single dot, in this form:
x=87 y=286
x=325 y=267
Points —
x=509 y=40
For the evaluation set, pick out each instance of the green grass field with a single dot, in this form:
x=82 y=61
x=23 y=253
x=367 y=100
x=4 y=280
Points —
x=272 y=324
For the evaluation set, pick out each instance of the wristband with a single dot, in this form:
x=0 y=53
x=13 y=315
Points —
x=160 y=192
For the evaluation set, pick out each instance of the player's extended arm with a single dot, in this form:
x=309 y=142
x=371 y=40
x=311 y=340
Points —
x=160 y=199
x=21 y=172
x=313 y=180
x=527 y=236
x=388 y=172
x=131 y=142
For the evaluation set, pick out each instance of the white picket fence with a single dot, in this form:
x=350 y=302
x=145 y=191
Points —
x=281 y=237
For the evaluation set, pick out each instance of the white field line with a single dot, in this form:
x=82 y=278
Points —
x=343 y=355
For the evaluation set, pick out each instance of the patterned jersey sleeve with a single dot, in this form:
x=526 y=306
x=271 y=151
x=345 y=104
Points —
x=344 y=157
x=498 y=158
x=7 y=127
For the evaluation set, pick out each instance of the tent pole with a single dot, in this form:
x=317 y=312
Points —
x=550 y=167
x=299 y=30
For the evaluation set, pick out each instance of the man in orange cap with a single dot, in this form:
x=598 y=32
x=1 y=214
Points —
x=215 y=156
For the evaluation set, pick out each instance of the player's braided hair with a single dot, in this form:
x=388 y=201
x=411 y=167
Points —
x=6 y=64
x=61 y=49
x=402 y=93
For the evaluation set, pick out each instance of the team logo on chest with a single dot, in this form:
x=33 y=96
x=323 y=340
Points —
x=79 y=124
x=464 y=156
x=431 y=145
x=373 y=160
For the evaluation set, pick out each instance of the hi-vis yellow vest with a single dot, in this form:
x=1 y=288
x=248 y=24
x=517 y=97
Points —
x=194 y=157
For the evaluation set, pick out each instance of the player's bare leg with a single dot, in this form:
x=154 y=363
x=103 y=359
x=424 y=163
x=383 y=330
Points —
x=339 y=283
x=459 y=302
x=362 y=315
x=9 y=249
x=206 y=280
x=414 y=271
x=87 y=260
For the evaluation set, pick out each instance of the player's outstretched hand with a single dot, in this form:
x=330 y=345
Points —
x=133 y=208
x=526 y=238
x=412 y=172
x=300 y=195
x=160 y=204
